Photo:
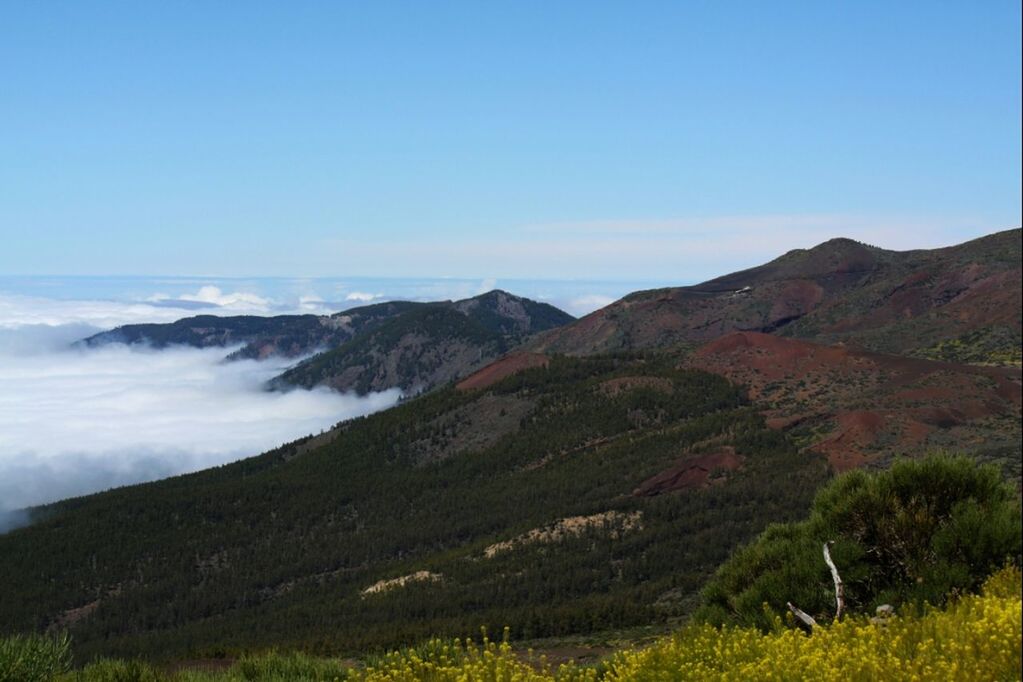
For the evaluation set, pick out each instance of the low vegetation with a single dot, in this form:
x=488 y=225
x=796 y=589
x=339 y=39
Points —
x=992 y=345
x=975 y=637
x=937 y=540
x=33 y=658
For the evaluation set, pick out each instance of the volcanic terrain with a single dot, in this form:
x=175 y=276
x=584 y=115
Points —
x=858 y=407
x=958 y=303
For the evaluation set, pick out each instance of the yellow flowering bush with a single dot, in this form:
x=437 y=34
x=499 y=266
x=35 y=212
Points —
x=976 y=638
x=456 y=661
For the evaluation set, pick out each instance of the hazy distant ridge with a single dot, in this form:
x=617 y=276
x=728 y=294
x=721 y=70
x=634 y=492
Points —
x=405 y=344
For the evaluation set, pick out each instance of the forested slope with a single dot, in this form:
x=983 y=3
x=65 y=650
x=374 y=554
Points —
x=427 y=346
x=525 y=504
x=398 y=344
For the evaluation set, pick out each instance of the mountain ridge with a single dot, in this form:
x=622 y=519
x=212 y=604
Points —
x=415 y=346
x=839 y=291
x=427 y=347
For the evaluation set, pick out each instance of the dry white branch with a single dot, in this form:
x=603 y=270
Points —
x=839 y=589
x=802 y=615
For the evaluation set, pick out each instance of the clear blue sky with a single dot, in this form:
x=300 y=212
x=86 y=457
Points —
x=519 y=139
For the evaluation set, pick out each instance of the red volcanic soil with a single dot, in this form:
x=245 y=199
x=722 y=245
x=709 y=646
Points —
x=689 y=472
x=972 y=298
x=502 y=368
x=798 y=297
x=772 y=356
x=861 y=406
x=855 y=432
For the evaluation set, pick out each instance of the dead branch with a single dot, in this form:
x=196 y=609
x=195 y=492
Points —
x=806 y=618
x=839 y=589
x=802 y=615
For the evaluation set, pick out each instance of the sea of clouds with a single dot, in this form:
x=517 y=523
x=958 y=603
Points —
x=79 y=420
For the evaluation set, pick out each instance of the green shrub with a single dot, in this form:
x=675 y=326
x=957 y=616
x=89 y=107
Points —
x=114 y=670
x=288 y=666
x=919 y=532
x=27 y=658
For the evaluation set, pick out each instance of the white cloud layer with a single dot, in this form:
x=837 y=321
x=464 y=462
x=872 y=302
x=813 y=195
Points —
x=17 y=310
x=584 y=305
x=237 y=300
x=362 y=297
x=20 y=311
x=74 y=421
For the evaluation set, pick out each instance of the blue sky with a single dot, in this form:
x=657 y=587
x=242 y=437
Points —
x=641 y=140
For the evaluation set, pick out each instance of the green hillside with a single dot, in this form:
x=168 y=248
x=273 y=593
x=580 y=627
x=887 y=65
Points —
x=526 y=504
x=427 y=346
x=396 y=344
x=934 y=544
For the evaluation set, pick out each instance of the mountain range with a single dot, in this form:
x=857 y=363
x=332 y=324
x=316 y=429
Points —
x=557 y=476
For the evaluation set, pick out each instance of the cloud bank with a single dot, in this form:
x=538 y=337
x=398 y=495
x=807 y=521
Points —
x=19 y=310
x=362 y=297
x=75 y=421
x=212 y=296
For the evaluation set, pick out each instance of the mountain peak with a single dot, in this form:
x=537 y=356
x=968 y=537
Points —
x=846 y=244
x=836 y=244
x=842 y=241
x=496 y=294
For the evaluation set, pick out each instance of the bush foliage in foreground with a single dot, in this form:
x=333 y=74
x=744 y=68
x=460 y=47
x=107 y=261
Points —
x=33 y=658
x=976 y=637
x=917 y=533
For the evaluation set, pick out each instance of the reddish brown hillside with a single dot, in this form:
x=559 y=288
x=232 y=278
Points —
x=692 y=471
x=856 y=406
x=499 y=369
x=962 y=303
